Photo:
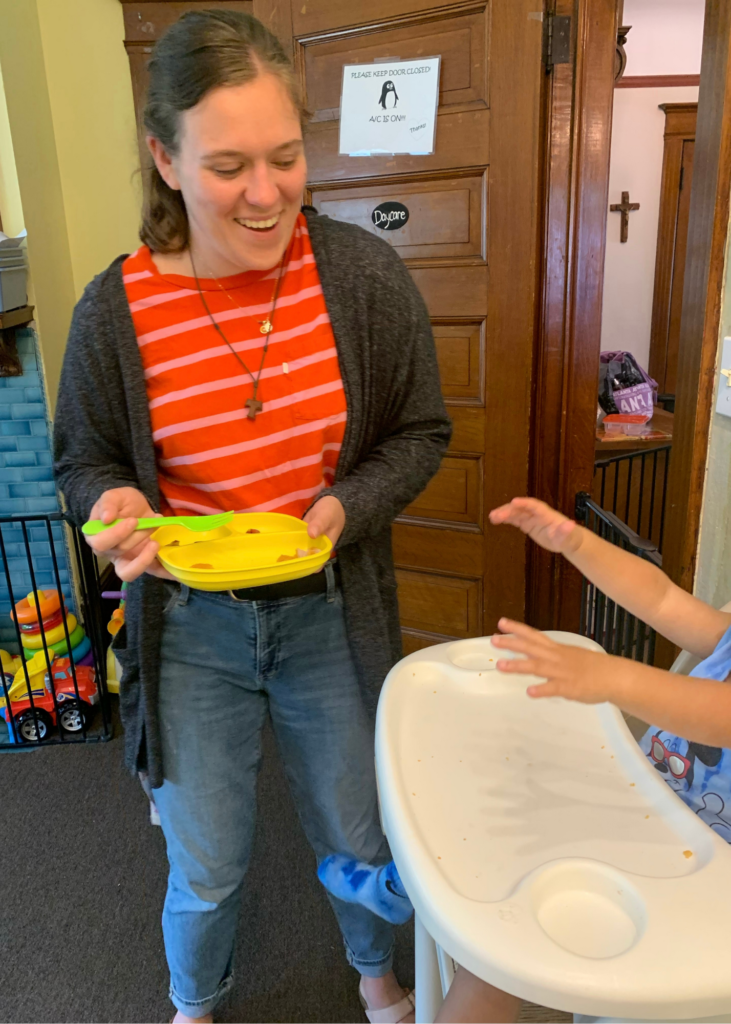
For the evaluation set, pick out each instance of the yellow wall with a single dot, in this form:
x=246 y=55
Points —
x=90 y=91
x=11 y=206
x=71 y=116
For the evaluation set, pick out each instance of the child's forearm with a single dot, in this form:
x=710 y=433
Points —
x=634 y=583
x=697 y=709
x=645 y=591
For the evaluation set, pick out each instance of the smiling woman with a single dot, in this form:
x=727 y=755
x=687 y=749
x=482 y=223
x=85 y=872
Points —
x=247 y=357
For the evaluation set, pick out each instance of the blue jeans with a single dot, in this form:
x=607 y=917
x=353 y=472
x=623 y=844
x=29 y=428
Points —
x=225 y=664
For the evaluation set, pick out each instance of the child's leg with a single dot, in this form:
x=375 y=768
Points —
x=472 y=1001
x=377 y=888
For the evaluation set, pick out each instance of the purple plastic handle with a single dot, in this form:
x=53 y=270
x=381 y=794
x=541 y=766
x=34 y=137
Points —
x=113 y=594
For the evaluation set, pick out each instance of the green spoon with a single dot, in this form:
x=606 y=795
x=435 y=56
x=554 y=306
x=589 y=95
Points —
x=197 y=524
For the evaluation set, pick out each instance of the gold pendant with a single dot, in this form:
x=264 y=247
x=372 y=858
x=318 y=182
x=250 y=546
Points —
x=266 y=326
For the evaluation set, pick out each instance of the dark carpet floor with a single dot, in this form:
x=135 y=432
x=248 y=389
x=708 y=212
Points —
x=82 y=882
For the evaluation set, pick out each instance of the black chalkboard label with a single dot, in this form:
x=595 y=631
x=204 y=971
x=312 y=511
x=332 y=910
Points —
x=389 y=216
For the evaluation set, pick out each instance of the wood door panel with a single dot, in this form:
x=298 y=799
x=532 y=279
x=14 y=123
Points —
x=145 y=22
x=454 y=552
x=445 y=216
x=460 y=354
x=468 y=429
x=464 y=133
x=414 y=640
x=454 y=495
x=461 y=81
x=459 y=291
x=444 y=605
x=325 y=16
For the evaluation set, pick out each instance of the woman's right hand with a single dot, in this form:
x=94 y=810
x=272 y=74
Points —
x=543 y=524
x=130 y=549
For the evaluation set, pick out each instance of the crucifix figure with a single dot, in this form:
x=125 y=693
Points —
x=624 y=208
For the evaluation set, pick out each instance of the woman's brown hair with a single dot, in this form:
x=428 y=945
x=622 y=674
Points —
x=202 y=51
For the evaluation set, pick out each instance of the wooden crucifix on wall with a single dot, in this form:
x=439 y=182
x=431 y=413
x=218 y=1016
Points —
x=624 y=208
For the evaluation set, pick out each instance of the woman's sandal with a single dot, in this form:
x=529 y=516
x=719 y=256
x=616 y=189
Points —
x=389 y=1014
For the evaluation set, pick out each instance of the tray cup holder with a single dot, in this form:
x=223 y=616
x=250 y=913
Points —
x=477 y=655
x=588 y=909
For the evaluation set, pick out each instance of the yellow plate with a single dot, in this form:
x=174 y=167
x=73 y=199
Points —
x=235 y=558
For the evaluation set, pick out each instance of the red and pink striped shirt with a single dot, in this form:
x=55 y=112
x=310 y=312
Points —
x=210 y=454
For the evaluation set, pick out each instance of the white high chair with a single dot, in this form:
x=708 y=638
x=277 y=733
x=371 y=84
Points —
x=542 y=851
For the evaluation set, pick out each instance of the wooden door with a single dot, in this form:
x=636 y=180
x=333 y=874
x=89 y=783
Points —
x=144 y=23
x=471 y=243
x=677 y=175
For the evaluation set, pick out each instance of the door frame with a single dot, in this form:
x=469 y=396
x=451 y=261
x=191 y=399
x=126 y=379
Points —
x=578 y=118
x=577 y=144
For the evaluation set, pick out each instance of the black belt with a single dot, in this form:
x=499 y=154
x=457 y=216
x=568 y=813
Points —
x=314 y=584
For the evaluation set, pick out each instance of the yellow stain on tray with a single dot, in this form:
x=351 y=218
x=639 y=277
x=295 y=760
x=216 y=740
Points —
x=687 y=854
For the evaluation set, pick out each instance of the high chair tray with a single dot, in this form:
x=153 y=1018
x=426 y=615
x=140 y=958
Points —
x=540 y=847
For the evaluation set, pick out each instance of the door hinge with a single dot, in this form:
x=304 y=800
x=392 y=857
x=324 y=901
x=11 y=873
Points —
x=556 y=40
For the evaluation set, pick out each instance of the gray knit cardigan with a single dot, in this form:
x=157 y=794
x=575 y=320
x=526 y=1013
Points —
x=396 y=433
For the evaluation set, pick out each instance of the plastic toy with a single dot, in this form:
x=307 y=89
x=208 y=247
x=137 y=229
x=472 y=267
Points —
x=114 y=669
x=33 y=628
x=47 y=623
x=34 y=641
x=258 y=548
x=32 y=725
x=541 y=849
x=26 y=612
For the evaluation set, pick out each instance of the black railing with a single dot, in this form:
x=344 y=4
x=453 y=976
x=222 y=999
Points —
x=64 y=698
x=602 y=619
x=634 y=488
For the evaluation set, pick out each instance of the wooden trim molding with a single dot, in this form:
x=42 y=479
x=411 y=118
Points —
x=656 y=81
x=700 y=320
x=578 y=134
x=680 y=127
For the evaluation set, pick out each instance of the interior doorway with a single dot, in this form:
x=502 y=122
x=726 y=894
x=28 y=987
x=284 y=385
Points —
x=687 y=292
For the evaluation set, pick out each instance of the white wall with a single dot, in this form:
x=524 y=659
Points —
x=713 y=578
x=635 y=167
x=666 y=36
x=665 y=39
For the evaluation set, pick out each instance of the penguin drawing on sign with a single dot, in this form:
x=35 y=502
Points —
x=388 y=88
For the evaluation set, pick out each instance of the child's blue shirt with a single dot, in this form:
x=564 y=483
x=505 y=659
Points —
x=700 y=775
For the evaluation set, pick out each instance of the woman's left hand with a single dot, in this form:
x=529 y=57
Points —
x=571 y=672
x=327 y=516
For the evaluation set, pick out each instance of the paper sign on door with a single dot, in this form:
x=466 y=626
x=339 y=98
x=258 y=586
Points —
x=389 y=107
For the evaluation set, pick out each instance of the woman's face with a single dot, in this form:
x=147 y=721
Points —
x=241 y=169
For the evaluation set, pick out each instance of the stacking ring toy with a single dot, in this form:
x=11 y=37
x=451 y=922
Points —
x=26 y=611
x=81 y=652
x=35 y=627
x=76 y=637
x=35 y=643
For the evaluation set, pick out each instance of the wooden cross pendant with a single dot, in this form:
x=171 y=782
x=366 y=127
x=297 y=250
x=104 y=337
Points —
x=254 y=406
x=624 y=208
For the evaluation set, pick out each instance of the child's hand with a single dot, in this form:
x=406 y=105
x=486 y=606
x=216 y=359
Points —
x=571 y=672
x=543 y=524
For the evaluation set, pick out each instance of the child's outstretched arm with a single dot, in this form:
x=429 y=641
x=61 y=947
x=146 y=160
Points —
x=634 y=583
x=698 y=709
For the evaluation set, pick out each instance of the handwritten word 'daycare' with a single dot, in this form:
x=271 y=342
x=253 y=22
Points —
x=389 y=216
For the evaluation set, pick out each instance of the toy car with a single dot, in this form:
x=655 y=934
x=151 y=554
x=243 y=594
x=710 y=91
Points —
x=34 y=723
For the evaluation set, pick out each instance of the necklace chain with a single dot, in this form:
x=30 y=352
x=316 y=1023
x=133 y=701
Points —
x=253 y=404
